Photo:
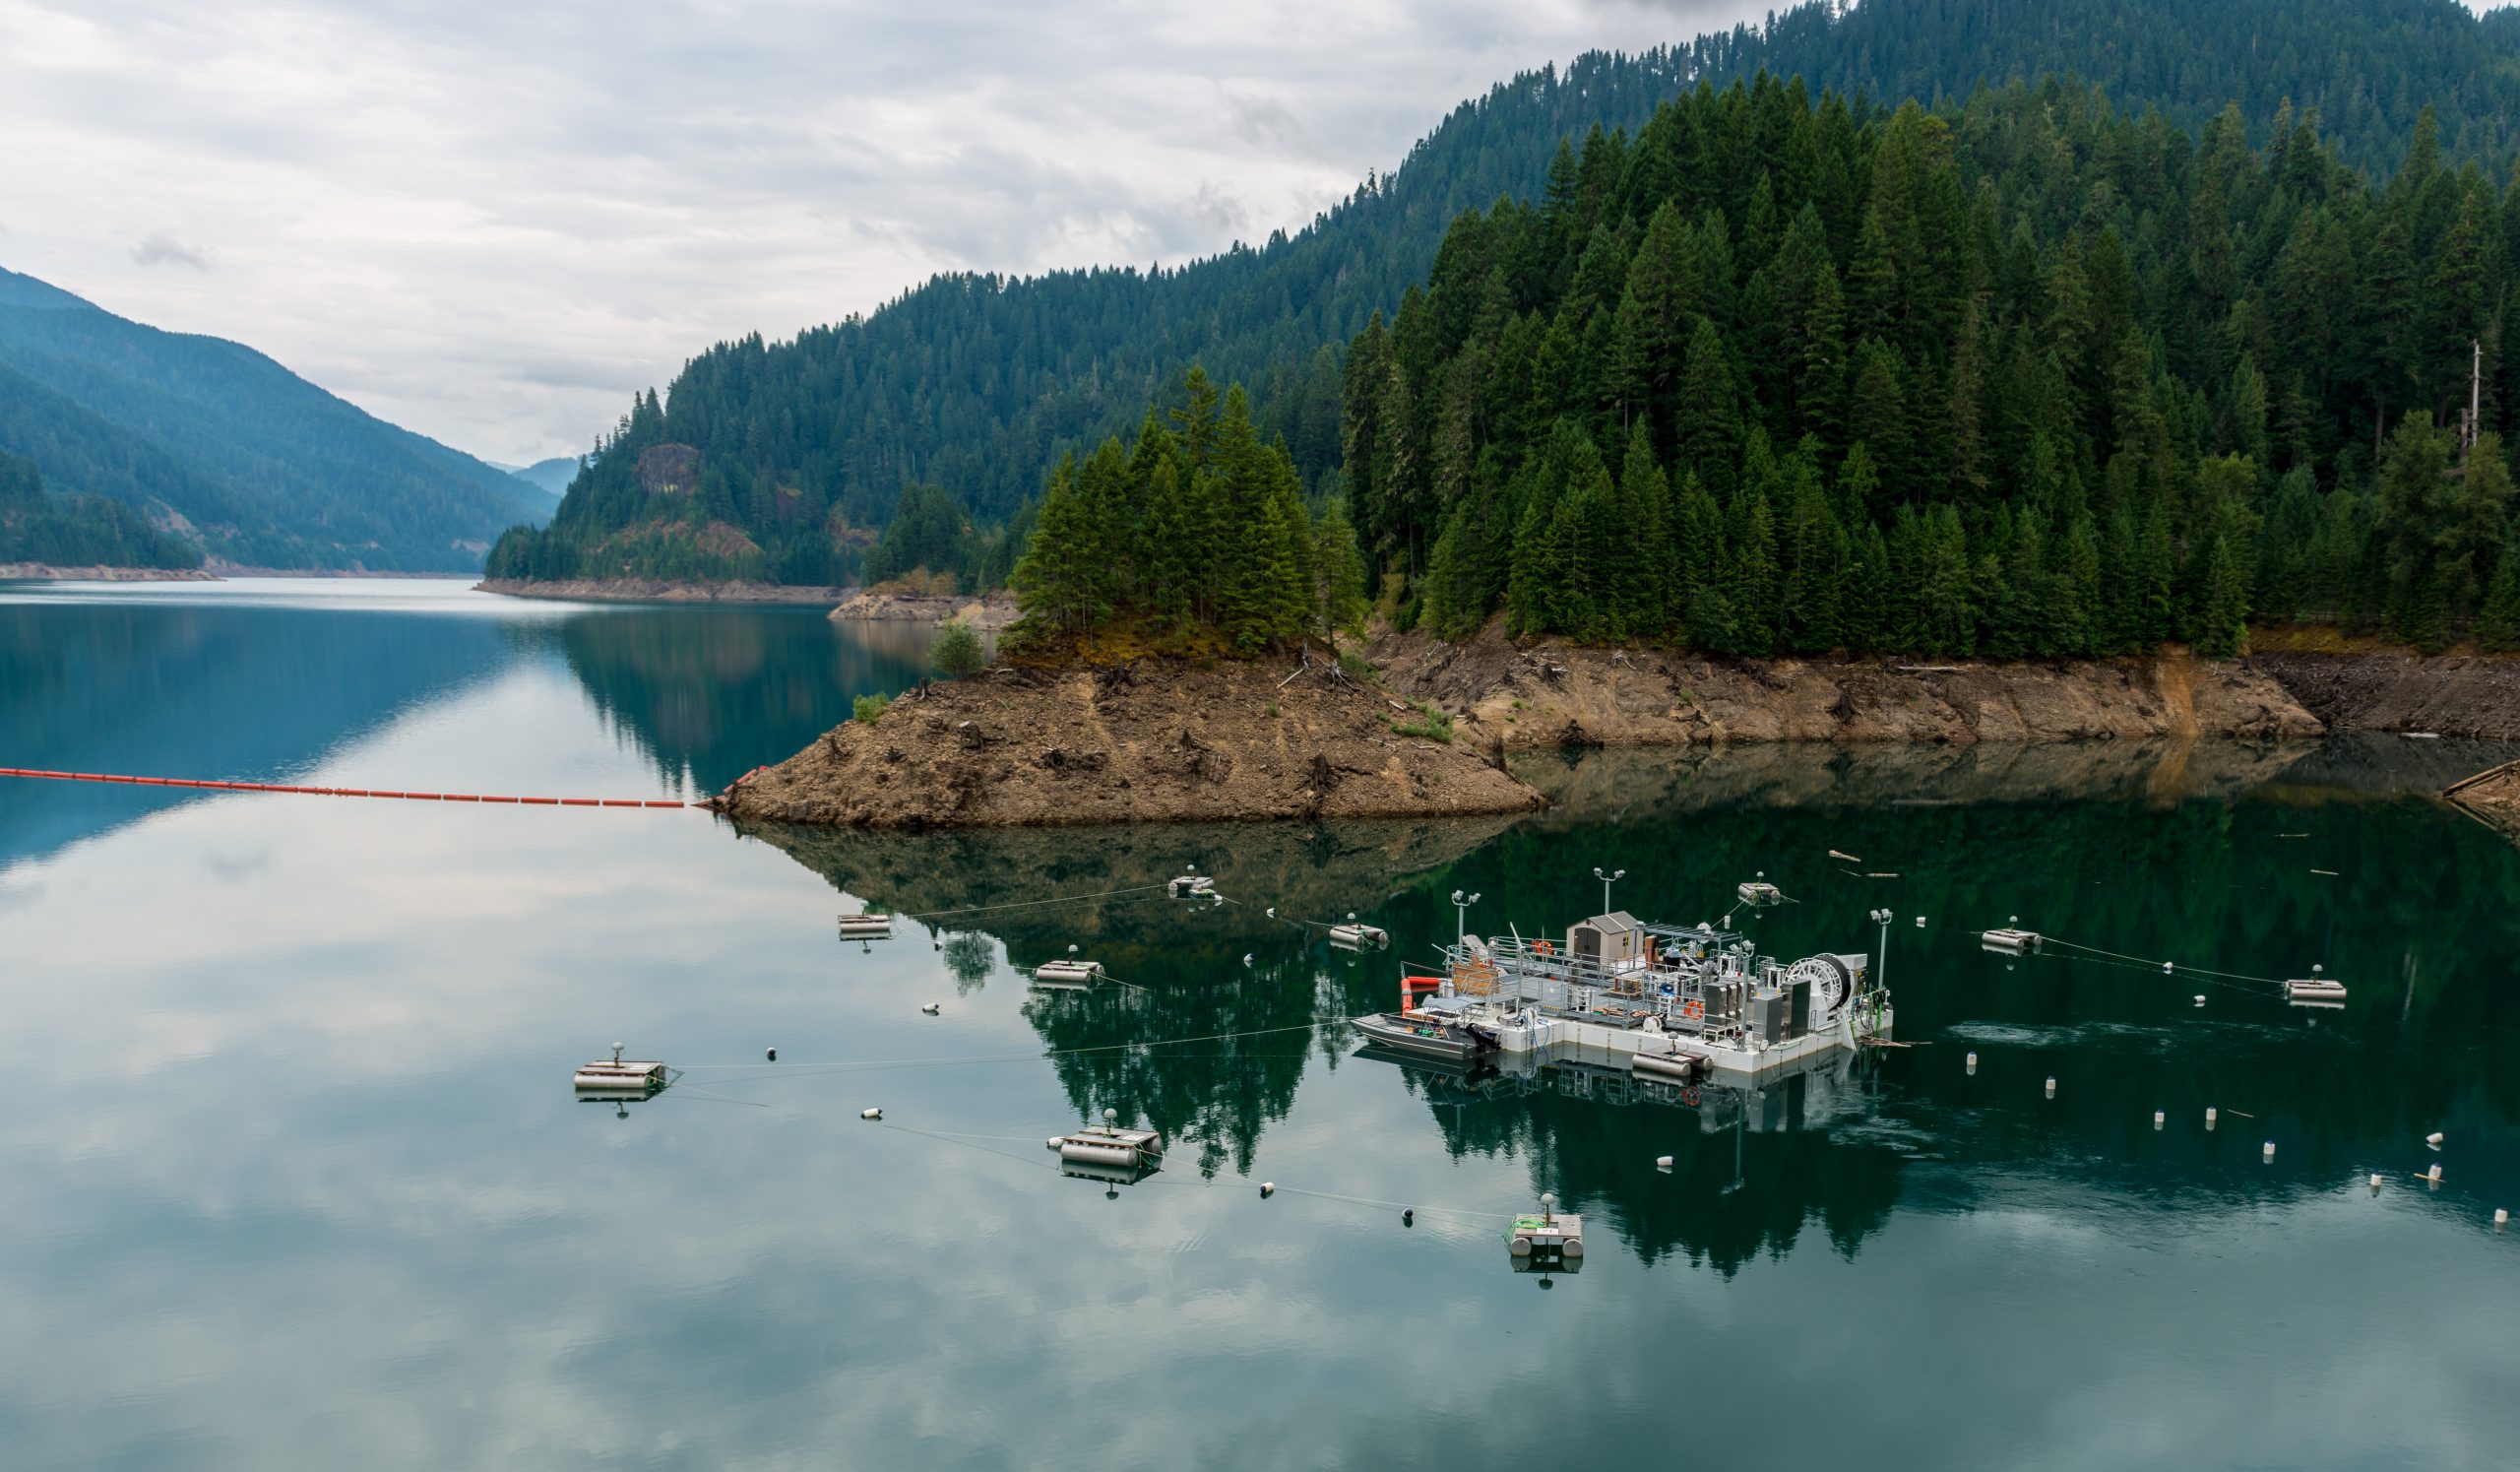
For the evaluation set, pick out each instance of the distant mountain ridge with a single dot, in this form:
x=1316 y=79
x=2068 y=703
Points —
x=978 y=382
x=229 y=450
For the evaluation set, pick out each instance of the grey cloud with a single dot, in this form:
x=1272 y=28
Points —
x=159 y=248
x=482 y=225
x=1266 y=122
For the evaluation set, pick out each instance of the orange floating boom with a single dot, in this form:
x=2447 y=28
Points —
x=334 y=791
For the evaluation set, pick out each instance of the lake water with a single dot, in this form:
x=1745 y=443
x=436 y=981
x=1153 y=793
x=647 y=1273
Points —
x=293 y=1175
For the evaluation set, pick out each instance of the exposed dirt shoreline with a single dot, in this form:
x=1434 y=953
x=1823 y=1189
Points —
x=45 y=572
x=1157 y=743
x=987 y=613
x=1548 y=693
x=658 y=591
x=2451 y=694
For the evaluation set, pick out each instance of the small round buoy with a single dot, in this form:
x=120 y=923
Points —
x=870 y=1113
x=2270 y=1151
x=933 y=1008
x=2375 y=1182
x=2211 y=1113
x=1409 y=1216
x=2433 y=1139
x=2501 y=1217
x=771 y=1053
x=1268 y=1188
x=1920 y=919
x=1111 y=1116
x=2166 y=967
x=2200 y=1000
x=2051 y=1088
x=1246 y=958
x=2159 y=1118
x=2433 y=1175
x=1054 y=1141
x=1973 y=1062
x=1662 y=1161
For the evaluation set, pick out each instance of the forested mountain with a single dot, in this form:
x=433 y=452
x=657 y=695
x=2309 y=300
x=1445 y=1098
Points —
x=2031 y=377
x=88 y=530
x=975 y=383
x=229 y=448
x=550 y=477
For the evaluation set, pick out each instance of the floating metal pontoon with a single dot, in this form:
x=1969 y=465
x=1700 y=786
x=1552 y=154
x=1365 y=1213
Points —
x=865 y=926
x=1549 y=1239
x=2316 y=992
x=1356 y=938
x=1193 y=887
x=1108 y=1147
x=1068 y=973
x=618 y=1077
x=2010 y=942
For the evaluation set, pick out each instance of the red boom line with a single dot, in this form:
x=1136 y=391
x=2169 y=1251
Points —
x=333 y=792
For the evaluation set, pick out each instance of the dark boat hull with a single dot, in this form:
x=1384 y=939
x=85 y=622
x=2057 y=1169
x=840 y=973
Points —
x=1417 y=1037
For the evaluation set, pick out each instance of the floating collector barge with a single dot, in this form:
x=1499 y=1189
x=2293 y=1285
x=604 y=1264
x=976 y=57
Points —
x=1675 y=1004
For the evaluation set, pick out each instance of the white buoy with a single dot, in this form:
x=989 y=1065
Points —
x=2433 y=1176
x=934 y=1007
x=2501 y=1217
x=1662 y=1161
x=2159 y=1118
x=1056 y=1140
x=2375 y=1182
x=2433 y=1139
x=2270 y=1150
x=2200 y=999
x=2211 y=1114
x=771 y=1053
x=1268 y=1188
x=1973 y=1062
x=2166 y=967
x=2051 y=1088
x=870 y=1113
x=1920 y=919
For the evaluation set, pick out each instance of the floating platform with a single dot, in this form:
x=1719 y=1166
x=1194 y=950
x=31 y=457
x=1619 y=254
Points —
x=1758 y=894
x=618 y=1077
x=1549 y=1239
x=1067 y=973
x=2316 y=992
x=2010 y=942
x=1356 y=938
x=866 y=926
x=1109 y=1148
x=1193 y=887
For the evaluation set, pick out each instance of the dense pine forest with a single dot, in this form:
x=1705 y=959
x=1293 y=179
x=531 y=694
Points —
x=80 y=531
x=1192 y=538
x=975 y=383
x=2026 y=378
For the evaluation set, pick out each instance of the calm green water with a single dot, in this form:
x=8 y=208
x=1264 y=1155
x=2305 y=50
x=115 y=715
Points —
x=293 y=1175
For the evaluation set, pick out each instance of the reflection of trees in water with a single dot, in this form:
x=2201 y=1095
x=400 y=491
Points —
x=2418 y=919
x=1750 y=1167
x=721 y=691
x=971 y=957
x=240 y=692
x=1181 y=960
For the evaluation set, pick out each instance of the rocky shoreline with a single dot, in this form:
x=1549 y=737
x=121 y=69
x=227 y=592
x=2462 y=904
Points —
x=1155 y=742
x=1428 y=731
x=1548 y=693
x=48 y=573
x=988 y=613
x=658 y=591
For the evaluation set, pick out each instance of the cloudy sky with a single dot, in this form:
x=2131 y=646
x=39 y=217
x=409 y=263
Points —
x=491 y=220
